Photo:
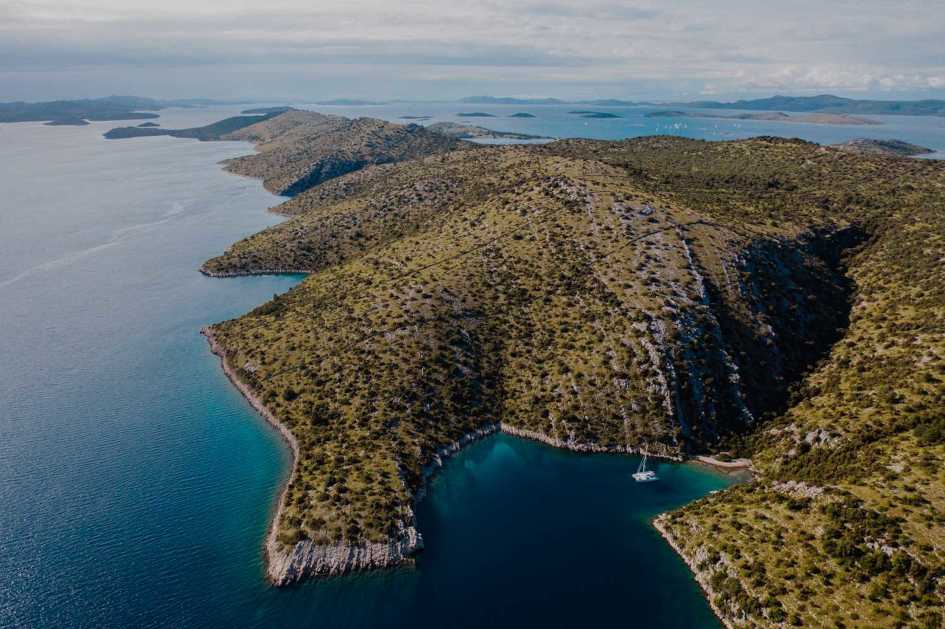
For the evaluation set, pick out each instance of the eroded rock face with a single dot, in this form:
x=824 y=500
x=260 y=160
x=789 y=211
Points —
x=307 y=559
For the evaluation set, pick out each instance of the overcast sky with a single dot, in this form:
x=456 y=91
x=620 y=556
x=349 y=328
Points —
x=313 y=49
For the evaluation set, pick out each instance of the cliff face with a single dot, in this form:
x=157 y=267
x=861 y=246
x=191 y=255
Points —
x=307 y=559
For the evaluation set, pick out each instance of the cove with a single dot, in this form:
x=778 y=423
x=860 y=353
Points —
x=520 y=534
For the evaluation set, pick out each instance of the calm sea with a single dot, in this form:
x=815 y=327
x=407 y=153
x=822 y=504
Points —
x=136 y=484
x=557 y=121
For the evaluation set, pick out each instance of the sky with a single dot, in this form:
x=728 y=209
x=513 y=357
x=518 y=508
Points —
x=446 y=49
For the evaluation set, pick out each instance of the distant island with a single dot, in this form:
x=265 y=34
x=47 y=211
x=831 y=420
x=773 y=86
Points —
x=594 y=114
x=214 y=131
x=81 y=111
x=893 y=148
x=415 y=117
x=824 y=103
x=349 y=102
x=267 y=110
x=522 y=114
x=827 y=103
x=471 y=132
x=508 y=100
x=78 y=112
x=73 y=121
x=608 y=102
x=475 y=114
x=776 y=116
x=145 y=125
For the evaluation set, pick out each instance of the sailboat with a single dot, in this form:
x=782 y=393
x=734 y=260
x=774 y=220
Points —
x=643 y=475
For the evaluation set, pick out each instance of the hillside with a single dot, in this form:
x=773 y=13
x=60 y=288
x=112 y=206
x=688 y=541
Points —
x=846 y=523
x=297 y=149
x=765 y=297
x=300 y=149
x=892 y=148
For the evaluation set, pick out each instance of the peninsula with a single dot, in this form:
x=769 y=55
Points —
x=771 y=298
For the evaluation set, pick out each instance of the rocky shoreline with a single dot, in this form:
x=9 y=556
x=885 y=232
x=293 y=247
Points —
x=210 y=273
x=659 y=523
x=307 y=559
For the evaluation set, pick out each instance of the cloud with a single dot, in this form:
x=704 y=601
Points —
x=670 y=46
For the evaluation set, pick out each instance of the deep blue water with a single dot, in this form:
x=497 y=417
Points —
x=136 y=484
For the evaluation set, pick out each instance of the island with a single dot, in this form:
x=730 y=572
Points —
x=828 y=103
x=594 y=114
x=771 y=299
x=349 y=102
x=522 y=114
x=777 y=116
x=893 y=148
x=69 y=121
x=278 y=109
x=472 y=132
x=216 y=131
x=78 y=112
x=475 y=114
x=145 y=125
x=509 y=100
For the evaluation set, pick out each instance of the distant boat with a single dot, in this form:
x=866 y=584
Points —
x=643 y=475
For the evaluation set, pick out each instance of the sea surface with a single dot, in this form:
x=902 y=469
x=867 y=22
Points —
x=136 y=483
x=558 y=121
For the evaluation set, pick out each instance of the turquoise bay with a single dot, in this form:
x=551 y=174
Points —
x=136 y=483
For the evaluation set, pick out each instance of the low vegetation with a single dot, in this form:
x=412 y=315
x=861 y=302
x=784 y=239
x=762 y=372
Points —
x=301 y=149
x=768 y=297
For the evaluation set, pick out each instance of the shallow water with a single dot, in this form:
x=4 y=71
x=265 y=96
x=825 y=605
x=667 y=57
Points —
x=136 y=484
